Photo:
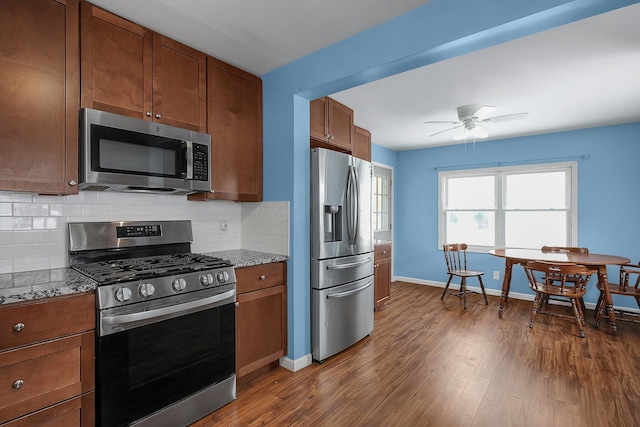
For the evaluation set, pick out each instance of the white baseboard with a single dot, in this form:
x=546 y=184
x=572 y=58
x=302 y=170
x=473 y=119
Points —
x=496 y=292
x=296 y=365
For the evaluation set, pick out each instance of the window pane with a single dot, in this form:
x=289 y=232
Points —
x=471 y=193
x=473 y=228
x=535 y=229
x=541 y=190
x=381 y=203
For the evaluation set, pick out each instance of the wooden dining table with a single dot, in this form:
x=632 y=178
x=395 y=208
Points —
x=596 y=262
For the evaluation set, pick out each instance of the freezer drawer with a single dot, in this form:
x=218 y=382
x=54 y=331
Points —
x=328 y=273
x=341 y=316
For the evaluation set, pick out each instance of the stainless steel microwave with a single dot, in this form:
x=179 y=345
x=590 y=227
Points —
x=119 y=153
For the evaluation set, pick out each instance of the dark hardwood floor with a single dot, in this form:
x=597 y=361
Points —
x=431 y=363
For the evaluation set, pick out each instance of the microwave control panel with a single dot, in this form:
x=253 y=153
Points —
x=200 y=162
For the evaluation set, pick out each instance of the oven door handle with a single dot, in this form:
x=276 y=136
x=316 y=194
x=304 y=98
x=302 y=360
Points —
x=159 y=313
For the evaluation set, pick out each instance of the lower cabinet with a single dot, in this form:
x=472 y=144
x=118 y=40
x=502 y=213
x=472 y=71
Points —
x=261 y=317
x=382 y=274
x=47 y=359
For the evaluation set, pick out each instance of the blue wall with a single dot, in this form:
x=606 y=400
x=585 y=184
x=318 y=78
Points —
x=607 y=203
x=384 y=155
x=438 y=30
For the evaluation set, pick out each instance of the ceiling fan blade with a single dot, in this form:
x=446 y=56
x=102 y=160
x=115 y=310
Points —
x=449 y=122
x=505 y=118
x=446 y=130
x=484 y=111
x=474 y=110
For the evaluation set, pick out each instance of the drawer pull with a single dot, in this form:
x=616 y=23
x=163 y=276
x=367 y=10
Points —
x=263 y=277
x=18 y=327
x=17 y=384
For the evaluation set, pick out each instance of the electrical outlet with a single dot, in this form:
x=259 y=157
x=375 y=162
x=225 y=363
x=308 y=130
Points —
x=224 y=226
x=496 y=275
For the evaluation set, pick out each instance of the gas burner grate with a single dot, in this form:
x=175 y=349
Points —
x=128 y=269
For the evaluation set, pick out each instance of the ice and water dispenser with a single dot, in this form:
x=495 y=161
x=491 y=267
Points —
x=333 y=223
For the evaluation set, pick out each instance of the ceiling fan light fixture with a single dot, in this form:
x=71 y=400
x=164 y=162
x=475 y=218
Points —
x=475 y=132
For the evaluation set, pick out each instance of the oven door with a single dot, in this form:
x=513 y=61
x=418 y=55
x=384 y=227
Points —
x=164 y=356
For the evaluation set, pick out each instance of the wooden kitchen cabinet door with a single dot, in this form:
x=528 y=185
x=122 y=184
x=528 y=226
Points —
x=39 y=92
x=179 y=85
x=261 y=328
x=116 y=61
x=382 y=274
x=331 y=124
x=234 y=120
x=261 y=317
x=362 y=144
x=128 y=69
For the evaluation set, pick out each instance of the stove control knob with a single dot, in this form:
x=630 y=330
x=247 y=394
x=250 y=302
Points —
x=206 y=279
x=146 y=290
x=123 y=294
x=223 y=276
x=179 y=284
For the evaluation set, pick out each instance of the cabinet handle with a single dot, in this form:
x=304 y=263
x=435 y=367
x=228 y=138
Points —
x=237 y=304
x=158 y=116
x=329 y=136
x=148 y=113
x=263 y=277
x=384 y=252
x=17 y=384
x=73 y=183
x=18 y=327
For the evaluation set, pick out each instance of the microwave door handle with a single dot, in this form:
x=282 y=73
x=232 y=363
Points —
x=188 y=158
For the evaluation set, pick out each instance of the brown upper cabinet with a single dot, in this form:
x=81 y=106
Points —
x=331 y=124
x=362 y=144
x=39 y=92
x=234 y=120
x=130 y=70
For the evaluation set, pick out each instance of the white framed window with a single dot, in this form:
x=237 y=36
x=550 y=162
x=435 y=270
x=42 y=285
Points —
x=509 y=207
x=382 y=196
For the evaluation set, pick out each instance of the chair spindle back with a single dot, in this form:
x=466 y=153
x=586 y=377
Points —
x=455 y=254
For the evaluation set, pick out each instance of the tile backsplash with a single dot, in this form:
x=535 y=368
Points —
x=33 y=229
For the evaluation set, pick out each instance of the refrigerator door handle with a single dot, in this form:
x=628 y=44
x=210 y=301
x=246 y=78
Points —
x=349 y=265
x=352 y=205
x=351 y=292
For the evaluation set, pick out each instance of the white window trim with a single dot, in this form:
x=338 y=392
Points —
x=572 y=191
x=391 y=195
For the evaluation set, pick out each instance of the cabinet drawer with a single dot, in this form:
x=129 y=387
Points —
x=46 y=319
x=40 y=375
x=260 y=276
x=65 y=414
x=382 y=252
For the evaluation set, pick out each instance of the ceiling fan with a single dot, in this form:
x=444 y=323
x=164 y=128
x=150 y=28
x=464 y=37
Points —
x=472 y=117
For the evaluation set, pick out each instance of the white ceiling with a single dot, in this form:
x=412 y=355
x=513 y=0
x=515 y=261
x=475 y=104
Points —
x=580 y=75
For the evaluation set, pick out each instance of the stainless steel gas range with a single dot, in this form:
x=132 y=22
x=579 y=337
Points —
x=165 y=351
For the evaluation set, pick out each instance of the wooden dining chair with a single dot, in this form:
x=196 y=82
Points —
x=629 y=286
x=560 y=249
x=559 y=280
x=455 y=255
x=565 y=249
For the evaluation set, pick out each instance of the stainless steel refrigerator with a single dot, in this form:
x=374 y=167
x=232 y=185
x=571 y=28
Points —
x=341 y=252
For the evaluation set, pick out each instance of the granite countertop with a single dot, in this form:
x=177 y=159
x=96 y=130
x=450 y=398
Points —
x=244 y=258
x=379 y=242
x=37 y=284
